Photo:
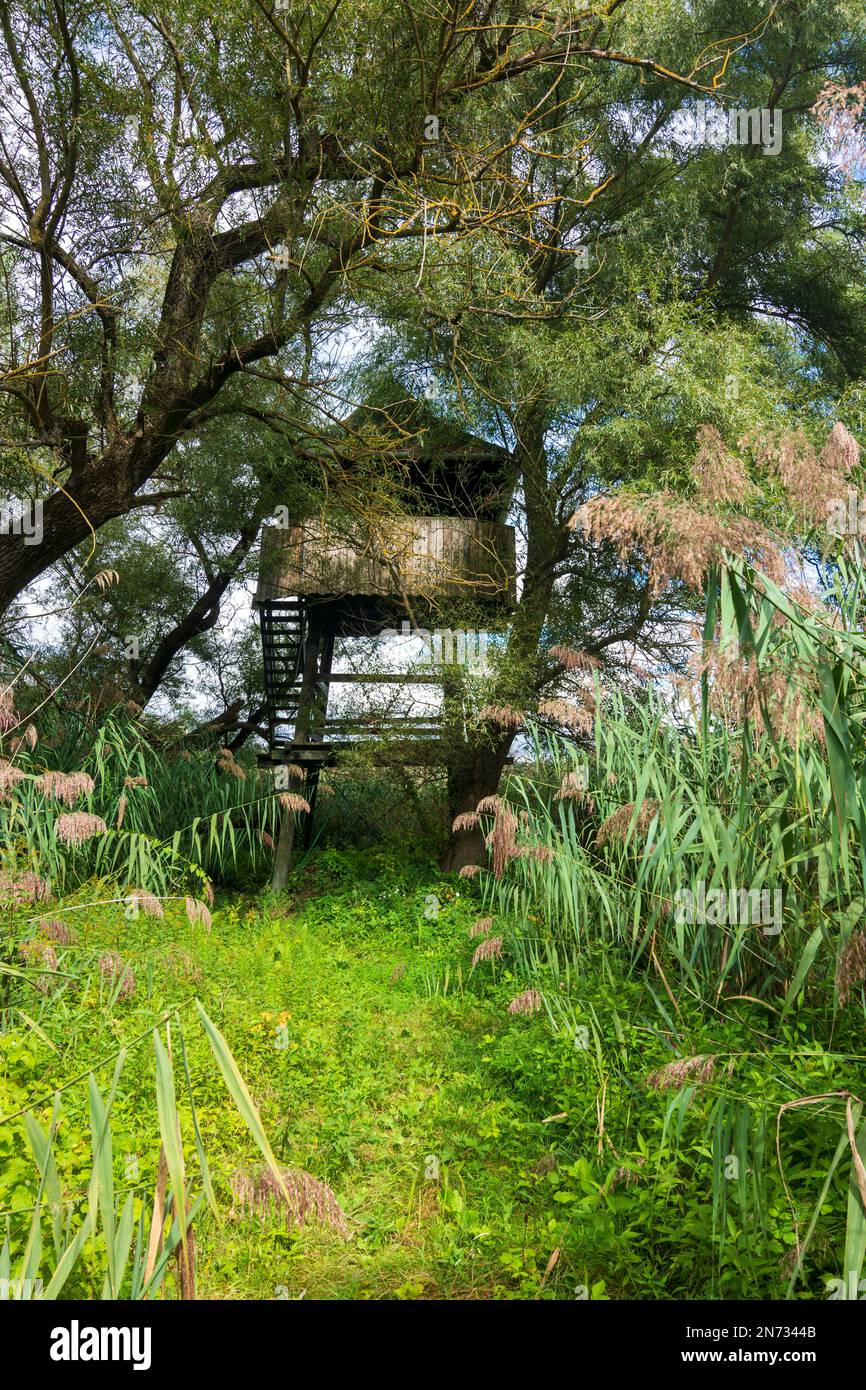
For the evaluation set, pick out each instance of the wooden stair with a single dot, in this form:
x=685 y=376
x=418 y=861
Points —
x=282 y=629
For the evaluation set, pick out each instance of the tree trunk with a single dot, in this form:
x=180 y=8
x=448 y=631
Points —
x=480 y=767
x=475 y=776
x=283 y=855
x=103 y=490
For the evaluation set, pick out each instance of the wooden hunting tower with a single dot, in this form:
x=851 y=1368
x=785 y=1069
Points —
x=327 y=578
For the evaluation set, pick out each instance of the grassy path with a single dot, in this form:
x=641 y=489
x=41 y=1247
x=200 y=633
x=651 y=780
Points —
x=371 y=1053
x=475 y=1153
x=451 y=1132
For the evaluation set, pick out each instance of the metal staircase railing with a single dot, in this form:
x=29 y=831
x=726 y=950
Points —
x=286 y=626
x=283 y=624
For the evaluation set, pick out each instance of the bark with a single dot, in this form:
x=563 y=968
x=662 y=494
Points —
x=102 y=490
x=251 y=725
x=103 y=484
x=227 y=720
x=283 y=853
x=475 y=776
x=478 y=770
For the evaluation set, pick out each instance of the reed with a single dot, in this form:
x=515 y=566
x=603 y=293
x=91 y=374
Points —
x=708 y=837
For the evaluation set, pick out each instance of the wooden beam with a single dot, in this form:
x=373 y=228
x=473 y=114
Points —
x=386 y=678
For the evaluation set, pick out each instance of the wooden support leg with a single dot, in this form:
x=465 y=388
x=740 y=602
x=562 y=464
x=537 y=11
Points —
x=283 y=856
x=318 y=720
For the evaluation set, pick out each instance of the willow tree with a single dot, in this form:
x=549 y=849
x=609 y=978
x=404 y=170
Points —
x=718 y=296
x=190 y=196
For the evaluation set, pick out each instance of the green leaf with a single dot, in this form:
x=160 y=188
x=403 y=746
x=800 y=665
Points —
x=102 y=1177
x=199 y=1145
x=169 y=1128
x=42 y=1146
x=67 y=1262
x=855 y=1228
x=241 y=1096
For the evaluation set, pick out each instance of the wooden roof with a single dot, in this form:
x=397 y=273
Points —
x=440 y=468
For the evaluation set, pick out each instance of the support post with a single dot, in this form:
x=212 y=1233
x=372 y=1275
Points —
x=283 y=855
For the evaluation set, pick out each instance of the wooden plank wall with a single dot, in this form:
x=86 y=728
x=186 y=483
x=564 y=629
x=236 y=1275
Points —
x=427 y=556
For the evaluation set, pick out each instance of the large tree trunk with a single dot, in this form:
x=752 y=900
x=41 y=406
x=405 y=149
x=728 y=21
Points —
x=479 y=769
x=103 y=485
x=473 y=777
x=104 y=489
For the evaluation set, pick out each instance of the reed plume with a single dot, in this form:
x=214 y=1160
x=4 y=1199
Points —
x=491 y=949
x=309 y=1198
x=529 y=1002
x=79 y=827
x=197 y=912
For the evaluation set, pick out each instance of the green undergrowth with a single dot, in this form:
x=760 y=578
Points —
x=476 y=1153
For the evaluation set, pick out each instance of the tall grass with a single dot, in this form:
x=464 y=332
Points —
x=753 y=781
x=671 y=803
x=126 y=1241
x=171 y=822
